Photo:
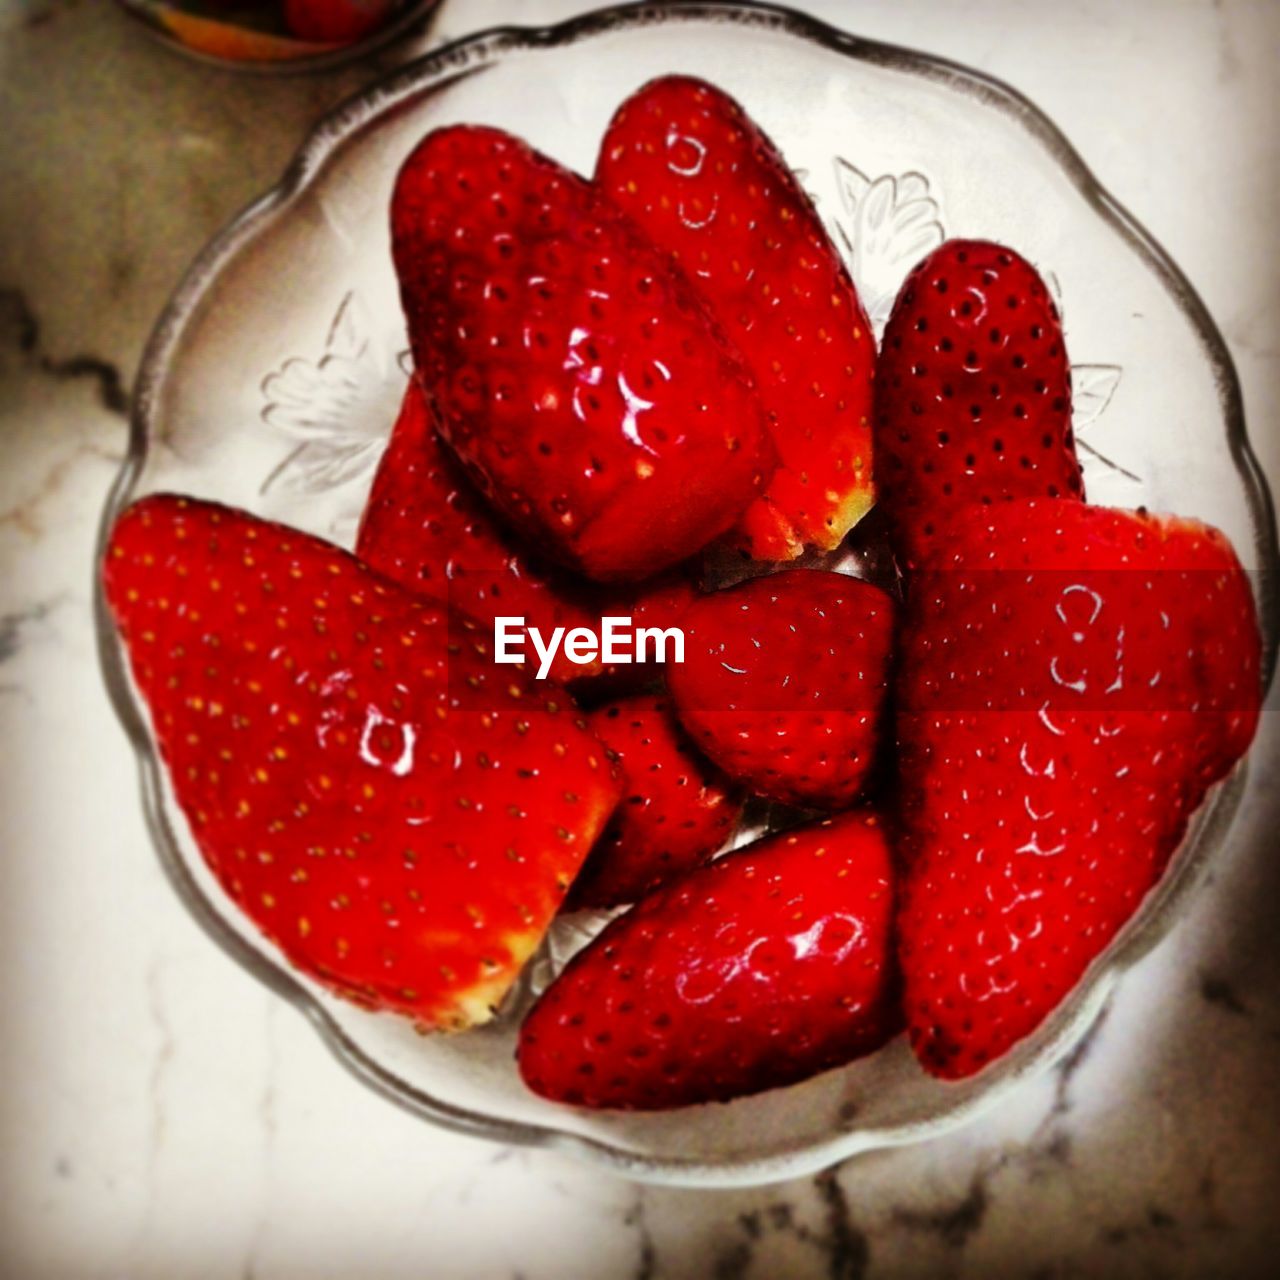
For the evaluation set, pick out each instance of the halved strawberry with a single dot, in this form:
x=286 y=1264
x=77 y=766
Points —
x=764 y=968
x=973 y=393
x=1072 y=680
x=399 y=816
x=676 y=810
x=700 y=177
x=784 y=680
x=570 y=367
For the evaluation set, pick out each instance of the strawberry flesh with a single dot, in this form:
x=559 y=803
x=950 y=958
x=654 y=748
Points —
x=766 y=967
x=1072 y=680
x=784 y=681
x=703 y=181
x=973 y=393
x=573 y=370
x=399 y=816
x=676 y=810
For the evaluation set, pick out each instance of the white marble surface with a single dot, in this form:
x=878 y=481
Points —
x=161 y=1116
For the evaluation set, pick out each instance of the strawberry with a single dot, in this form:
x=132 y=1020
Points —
x=1072 y=680
x=973 y=393
x=697 y=174
x=426 y=528
x=767 y=966
x=399 y=817
x=783 y=683
x=658 y=603
x=336 y=21
x=570 y=367
x=676 y=810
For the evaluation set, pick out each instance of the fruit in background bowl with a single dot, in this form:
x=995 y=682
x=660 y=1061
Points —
x=401 y=818
x=336 y=21
x=704 y=182
x=265 y=32
x=570 y=367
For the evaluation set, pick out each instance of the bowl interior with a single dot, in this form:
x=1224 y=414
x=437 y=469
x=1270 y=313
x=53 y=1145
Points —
x=274 y=378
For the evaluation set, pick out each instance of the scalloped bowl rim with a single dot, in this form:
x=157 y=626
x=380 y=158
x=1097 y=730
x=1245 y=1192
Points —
x=464 y=56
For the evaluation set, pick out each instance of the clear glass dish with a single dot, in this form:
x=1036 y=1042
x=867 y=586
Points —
x=273 y=376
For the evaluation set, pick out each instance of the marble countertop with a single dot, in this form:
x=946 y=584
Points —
x=163 y=1116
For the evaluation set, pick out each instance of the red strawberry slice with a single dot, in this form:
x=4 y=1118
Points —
x=764 y=968
x=570 y=367
x=699 y=176
x=399 y=816
x=1072 y=680
x=426 y=528
x=676 y=809
x=784 y=681
x=973 y=393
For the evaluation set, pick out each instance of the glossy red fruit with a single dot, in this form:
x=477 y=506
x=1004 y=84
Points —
x=764 y=968
x=676 y=809
x=401 y=818
x=570 y=367
x=658 y=603
x=1072 y=680
x=427 y=528
x=784 y=680
x=700 y=177
x=973 y=393
x=336 y=21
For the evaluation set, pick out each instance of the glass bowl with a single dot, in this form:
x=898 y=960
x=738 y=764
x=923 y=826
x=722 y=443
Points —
x=273 y=377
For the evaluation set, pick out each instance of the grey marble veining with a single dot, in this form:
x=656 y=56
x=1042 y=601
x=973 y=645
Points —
x=161 y=1116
